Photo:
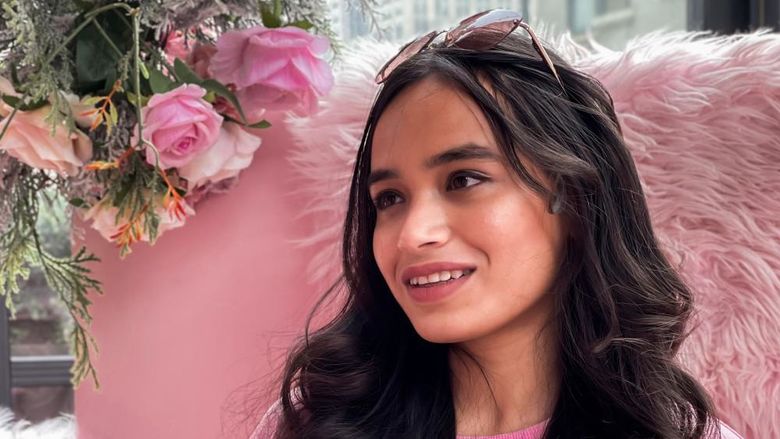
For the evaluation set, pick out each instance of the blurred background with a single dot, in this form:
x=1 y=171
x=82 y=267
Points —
x=611 y=23
x=34 y=355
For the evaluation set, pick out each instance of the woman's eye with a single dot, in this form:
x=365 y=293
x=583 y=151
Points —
x=463 y=180
x=385 y=200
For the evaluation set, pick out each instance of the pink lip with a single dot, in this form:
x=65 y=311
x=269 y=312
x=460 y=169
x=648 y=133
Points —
x=431 y=293
x=430 y=268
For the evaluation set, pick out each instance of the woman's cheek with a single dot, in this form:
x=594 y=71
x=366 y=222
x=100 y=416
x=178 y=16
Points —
x=383 y=252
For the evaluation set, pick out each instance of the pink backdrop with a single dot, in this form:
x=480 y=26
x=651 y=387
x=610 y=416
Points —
x=184 y=327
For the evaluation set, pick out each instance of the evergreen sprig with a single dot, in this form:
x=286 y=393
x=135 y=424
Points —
x=21 y=248
x=69 y=278
x=17 y=250
x=100 y=50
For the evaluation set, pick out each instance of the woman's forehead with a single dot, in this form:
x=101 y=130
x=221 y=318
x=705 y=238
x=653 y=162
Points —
x=428 y=116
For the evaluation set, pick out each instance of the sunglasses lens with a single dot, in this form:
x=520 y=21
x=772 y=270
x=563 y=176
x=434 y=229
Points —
x=484 y=30
x=493 y=16
x=406 y=52
x=485 y=37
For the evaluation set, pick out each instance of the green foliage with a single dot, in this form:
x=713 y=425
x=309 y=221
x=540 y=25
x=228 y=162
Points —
x=21 y=248
x=99 y=48
x=186 y=75
x=261 y=124
x=219 y=89
x=17 y=250
x=271 y=14
x=69 y=278
x=160 y=83
x=51 y=48
x=17 y=103
x=53 y=223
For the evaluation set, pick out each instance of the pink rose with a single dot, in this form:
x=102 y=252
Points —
x=176 y=46
x=231 y=154
x=29 y=139
x=104 y=220
x=6 y=89
x=179 y=124
x=200 y=57
x=80 y=110
x=278 y=69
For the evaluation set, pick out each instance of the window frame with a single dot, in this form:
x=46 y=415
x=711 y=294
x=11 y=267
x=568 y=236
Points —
x=28 y=371
x=730 y=16
x=5 y=359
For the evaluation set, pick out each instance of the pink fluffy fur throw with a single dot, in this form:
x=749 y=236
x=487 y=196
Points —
x=701 y=116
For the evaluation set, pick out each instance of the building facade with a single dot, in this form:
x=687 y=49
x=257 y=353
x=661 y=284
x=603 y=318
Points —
x=609 y=22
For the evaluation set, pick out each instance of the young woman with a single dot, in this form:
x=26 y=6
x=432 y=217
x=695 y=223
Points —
x=501 y=273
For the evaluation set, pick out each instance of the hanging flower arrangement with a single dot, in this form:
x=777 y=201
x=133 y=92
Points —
x=133 y=112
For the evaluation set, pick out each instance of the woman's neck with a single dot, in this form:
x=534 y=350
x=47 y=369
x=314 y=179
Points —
x=520 y=364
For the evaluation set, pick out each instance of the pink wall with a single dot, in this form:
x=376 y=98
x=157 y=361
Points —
x=185 y=326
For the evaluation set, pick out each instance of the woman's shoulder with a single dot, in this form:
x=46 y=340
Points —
x=727 y=432
x=267 y=426
x=269 y=422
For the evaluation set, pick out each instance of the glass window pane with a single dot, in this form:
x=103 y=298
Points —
x=611 y=23
x=37 y=404
x=42 y=322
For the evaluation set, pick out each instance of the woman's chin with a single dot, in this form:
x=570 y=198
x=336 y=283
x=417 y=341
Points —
x=436 y=333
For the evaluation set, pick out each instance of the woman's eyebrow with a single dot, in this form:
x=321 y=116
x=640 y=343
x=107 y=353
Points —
x=467 y=151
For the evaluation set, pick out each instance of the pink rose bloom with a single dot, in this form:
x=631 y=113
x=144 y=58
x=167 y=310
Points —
x=78 y=109
x=6 y=88
x=179 y=124
x=176 y=46
x=29 y=139
x=200 y=58
x=103 y=219
x=278 y=69
x=231 y=154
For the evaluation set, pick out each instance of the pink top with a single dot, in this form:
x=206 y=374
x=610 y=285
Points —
x=536 y=431
x=265 y=429
x=532 y=432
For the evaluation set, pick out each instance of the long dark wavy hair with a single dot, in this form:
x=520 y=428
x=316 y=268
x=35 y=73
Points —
x=621 y=309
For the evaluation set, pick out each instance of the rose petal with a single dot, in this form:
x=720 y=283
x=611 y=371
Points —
x=231 y=153
x=317 y=72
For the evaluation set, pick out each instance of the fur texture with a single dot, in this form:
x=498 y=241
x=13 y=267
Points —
x=63 y=427
x=701 y=116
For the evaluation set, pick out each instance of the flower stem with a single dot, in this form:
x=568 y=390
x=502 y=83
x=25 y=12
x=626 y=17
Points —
x=7 y=121
x=90 y=17
x=137 y=74
x=108 y=39
x=139 y=115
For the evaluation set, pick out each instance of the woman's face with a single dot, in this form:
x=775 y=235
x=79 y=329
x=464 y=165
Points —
x=446 y=207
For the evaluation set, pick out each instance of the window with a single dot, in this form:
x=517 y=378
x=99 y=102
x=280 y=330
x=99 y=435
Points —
x=420 y=17
x=462 y=8
x=442 y=7
x=580 y=15
x=606 y=6
x=34 y=352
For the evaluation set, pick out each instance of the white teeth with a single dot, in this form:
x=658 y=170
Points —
x=441 y=276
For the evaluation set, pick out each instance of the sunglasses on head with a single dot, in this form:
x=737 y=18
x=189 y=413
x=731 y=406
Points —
x=481 y=31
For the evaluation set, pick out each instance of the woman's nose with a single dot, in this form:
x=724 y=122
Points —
x=425 y=224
